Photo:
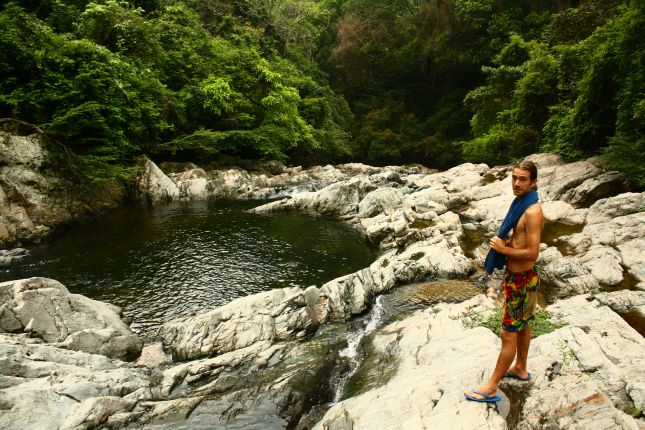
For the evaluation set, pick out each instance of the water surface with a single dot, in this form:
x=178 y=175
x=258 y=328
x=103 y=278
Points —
x=187 y=258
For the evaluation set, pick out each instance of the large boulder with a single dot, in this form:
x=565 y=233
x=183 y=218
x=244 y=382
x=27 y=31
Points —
x=339 y=199
x=382 y=200
x=623 y=234
x=624 y=204
x=623 y=301
x=593 y=189
x=193 y=184
x=604 y=263
x=45 y=309
x=153 y=186
x=559 y=211
x=555 y=181
x=568 y=277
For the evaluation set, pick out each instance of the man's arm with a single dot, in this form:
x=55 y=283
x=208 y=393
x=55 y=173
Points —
x=533 y=231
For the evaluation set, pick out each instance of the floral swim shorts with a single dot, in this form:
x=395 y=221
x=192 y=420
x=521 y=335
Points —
x=520 y=290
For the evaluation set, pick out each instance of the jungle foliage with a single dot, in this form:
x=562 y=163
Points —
x=436 y=82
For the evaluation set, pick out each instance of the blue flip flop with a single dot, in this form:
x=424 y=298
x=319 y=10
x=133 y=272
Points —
x=485 y=397
x=514 y=376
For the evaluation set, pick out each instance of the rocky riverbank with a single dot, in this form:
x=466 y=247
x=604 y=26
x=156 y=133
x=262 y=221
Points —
x=35 y=200
x=258 y=361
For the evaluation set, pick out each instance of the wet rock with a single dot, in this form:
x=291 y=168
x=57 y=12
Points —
x=9 y=257
x=45 y=309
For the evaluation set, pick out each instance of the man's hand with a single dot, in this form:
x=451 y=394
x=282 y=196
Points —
x=498 y=244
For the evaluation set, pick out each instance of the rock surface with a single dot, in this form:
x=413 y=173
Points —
x=10 y=257
x=45 y=309
x=63 y=383
x=584 y=374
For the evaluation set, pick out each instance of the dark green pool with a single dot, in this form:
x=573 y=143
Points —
x=186 y=258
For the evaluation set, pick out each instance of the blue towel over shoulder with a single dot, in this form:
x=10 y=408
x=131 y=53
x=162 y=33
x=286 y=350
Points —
x=495 y=260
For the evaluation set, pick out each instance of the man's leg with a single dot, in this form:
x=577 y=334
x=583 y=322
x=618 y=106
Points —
x=523 y=342
x=504 y=360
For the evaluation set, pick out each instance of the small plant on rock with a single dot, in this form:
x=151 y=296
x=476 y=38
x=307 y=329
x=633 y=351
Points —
x=541 y=323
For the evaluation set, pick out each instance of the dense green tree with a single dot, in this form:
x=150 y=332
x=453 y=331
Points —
x=577 y=94
x=108 y=80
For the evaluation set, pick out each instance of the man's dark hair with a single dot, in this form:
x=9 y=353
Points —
x=528 y=166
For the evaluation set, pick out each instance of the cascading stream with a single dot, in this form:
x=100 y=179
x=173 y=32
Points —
x=351 y=352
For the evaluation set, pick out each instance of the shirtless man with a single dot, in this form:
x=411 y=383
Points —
x=519 y=285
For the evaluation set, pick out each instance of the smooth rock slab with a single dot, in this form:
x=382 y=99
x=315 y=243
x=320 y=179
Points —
x=270 y=316
x=584 y=374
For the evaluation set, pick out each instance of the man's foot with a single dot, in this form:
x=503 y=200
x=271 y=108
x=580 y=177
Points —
x=515 y=373
x=482 y=394
x=514 y=376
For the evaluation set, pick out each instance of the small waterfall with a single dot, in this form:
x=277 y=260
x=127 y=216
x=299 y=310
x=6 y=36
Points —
x=373 y=321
